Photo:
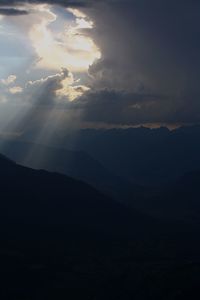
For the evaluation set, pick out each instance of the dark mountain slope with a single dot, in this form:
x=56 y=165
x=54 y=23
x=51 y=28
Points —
x=76 y=164
x=41 y=198
x=61 y=239
x=179 y=200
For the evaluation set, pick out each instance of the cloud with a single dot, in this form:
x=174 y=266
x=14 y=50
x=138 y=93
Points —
x=147 y=44
x=118 y=107
x=16 y=90
x=53 y=90
x=8 y=88
x=58 y=41
x=70 y=48
x=12 y=12
x=44 y=91
x=149 y=68
x=11 y=79
x=65 y=3
x=148 y=47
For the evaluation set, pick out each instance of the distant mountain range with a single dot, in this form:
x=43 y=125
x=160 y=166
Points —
x=176 y=157
x=141 y=155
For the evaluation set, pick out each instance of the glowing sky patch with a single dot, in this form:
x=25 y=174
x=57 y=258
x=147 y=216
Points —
x=70 y=49
x=41 y=44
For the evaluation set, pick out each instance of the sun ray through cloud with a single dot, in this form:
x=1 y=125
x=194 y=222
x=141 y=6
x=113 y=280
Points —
x=48 y=53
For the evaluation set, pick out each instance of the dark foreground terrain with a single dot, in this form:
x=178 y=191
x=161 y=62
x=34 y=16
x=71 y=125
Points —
x=65 y=268
x=62 y=239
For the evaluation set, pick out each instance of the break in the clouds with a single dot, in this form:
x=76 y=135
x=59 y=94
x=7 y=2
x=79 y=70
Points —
x=128 y=62
x=44 y=41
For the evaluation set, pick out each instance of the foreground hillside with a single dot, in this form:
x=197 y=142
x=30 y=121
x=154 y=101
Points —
x=62 y=239
x=76 y=164
x=42 y=198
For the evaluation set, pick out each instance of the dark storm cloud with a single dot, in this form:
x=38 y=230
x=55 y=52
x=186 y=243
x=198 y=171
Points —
x=66 y=3
x=149 y=43
x=12 y=12
x=120 y=107
x=150 y=47
x=128 y=108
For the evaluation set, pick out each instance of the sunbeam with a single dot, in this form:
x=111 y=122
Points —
x=53 y=49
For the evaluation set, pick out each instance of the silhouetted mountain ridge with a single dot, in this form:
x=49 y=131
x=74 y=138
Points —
x=76 y=164
x=142 y=155
x=42 y=198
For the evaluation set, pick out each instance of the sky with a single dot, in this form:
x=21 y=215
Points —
x=99 y=63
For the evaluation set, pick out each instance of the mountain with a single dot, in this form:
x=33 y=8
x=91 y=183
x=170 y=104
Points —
x=60 y=238
x=172 y=201
x=40 y=198
x=76 y=164
x=141 y=155
x=178 y=200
